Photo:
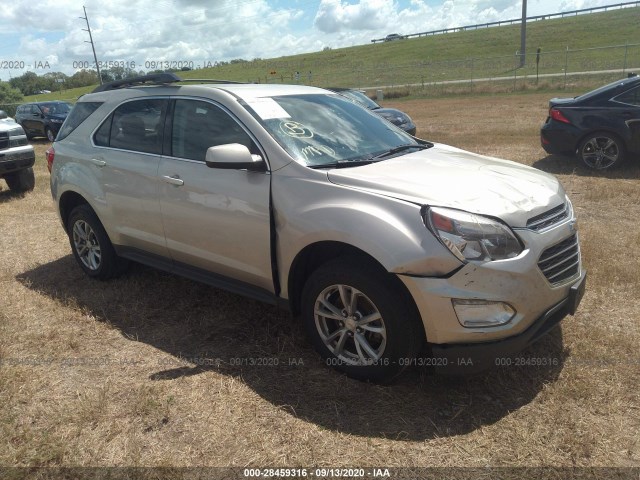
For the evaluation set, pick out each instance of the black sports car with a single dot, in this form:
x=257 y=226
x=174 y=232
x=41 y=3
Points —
x=601 y=127
x=393 y=115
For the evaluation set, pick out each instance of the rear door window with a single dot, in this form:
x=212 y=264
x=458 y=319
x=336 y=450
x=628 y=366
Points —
x=137 y=126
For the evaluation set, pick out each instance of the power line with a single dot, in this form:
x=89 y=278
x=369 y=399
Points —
x=88 y=29
x=523 y=34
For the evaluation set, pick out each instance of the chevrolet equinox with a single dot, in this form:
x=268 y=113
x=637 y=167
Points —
x=386 y=247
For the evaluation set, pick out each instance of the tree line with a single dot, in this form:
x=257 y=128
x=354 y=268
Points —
x=29 y=83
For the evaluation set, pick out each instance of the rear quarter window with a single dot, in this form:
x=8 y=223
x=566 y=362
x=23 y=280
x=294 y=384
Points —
x=79 y=113
x=632 y=97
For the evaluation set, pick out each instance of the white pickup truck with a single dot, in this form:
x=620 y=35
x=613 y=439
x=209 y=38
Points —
x=16 y=157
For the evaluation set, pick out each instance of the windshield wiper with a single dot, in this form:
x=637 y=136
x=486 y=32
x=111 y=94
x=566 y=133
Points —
x=401 y=148
x=373 y=158
x=343 y=163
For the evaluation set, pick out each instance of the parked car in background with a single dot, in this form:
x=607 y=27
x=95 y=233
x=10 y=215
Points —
x=42 y=119
x=16 y=157
x=602 y=127
x=379 y=243
x=393 y=36
x=395 y=116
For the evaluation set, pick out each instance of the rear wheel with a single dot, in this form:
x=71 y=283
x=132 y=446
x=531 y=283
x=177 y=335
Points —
x=21 y=181
x=602 y=151
x=91 y=245
x=360 y=320
x=49 y=133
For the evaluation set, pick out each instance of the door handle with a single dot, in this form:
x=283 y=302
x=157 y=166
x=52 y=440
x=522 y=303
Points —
x=173 y=180
x=98 y=163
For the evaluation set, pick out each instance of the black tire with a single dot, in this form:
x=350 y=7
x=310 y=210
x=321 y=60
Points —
x=602 y=151
x=377 y=293
x=49 y=134
x=91 y=246
x=21 y=181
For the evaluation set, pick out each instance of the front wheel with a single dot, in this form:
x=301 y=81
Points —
x=91 y=245
x=601 y=151
x=26 y=132
x=360 y=320
x=21 y=181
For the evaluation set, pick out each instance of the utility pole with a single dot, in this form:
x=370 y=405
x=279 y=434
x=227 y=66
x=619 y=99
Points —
x=88 y=29
x=523 y=34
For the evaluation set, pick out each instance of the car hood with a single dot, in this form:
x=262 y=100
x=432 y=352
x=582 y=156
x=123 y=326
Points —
x=391 y=111
x=398 y=115
x=7 y=125
x=449 y=177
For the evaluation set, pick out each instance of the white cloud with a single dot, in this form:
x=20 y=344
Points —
x=336 y=15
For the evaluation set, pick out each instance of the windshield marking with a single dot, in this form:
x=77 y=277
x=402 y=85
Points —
x=320 y=150
x=295 y=129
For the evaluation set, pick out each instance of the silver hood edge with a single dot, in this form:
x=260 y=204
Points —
x=446 y=176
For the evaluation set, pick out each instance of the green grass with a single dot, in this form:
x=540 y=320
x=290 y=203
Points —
x=448 y=56
x=71 y=94
x=484 y=53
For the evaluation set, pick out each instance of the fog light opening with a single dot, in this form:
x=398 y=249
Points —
x=482 y=313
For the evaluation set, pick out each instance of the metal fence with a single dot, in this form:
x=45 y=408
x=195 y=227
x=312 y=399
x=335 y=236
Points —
x=556 y=68
x=516 y=20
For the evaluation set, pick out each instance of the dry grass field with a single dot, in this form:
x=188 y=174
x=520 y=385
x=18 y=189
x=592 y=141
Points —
x=152 y=369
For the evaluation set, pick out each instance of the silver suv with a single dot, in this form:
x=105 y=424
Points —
x=392 y=251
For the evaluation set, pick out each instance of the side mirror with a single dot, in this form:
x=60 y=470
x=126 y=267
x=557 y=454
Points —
x=233 y=156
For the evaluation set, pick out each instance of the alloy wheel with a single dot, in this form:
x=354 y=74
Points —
x=350 y=325
x=86 y=245
x=600 y=152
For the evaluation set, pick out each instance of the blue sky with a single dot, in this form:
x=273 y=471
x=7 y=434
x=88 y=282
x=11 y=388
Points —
x=48 y=35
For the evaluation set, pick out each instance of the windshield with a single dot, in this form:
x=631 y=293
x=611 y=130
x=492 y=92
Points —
x=321 y=129
x=360 y=97
x=56 y=108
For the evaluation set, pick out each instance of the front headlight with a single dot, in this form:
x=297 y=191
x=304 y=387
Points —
x=472 y=237
x=17 y=138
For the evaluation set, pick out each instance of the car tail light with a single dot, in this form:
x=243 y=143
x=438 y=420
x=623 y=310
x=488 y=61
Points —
x=50 y=153
x=558 y=115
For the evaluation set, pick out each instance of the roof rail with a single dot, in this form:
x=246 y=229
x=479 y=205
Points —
x=154 y=79
x=209 y=80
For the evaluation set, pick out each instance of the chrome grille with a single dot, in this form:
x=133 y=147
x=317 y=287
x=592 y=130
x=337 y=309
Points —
x=548 y=218
x=561 y=261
